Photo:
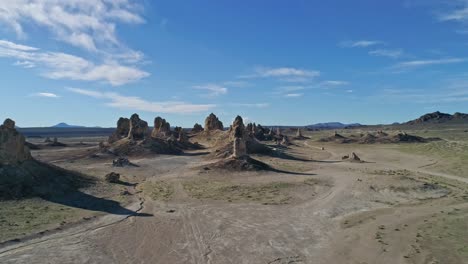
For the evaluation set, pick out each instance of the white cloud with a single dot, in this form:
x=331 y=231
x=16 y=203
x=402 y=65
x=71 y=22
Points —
x=284 y=73
x=256 y=105
x=421 y=63
x=349 y=91
x=136 y=103
x=48 y=95
x=56 y=65
x=25 y=64
x=291 y=88
x=293 y=95
x=360 y=43
x=213 y=89
x=237 y=84
x=10 y=45
x=456 y=15
x=84 y=24
x=387 y=53
x=333 y=83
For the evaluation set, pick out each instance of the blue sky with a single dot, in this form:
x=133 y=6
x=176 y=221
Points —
x=273 y=62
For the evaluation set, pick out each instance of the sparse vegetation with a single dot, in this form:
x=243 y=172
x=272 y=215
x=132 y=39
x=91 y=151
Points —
x=158 y=190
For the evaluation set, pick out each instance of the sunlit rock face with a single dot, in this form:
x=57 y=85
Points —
x=12 y=145
x=212 y=123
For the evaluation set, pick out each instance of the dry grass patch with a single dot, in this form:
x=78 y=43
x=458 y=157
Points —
x=158 y=190
x=270 y=193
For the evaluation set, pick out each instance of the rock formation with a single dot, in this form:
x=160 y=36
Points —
x=355 y=157
x=138 y=128
x=123 y=127
x=278 y=131
x=182 y=137
x=112 y=177
x=13 y=149
x=285 y=141
x=299 y=133
x=197 y=128
x=161 y=127
x=212 y=123
x=47 y=140
x=121 y=162
x=238 y=135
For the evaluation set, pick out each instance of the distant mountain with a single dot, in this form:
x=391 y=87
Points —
x=65 y=125
x=440 y=118
x=332 y=125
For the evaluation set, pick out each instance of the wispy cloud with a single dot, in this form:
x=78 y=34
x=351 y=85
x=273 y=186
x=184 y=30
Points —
x=117 y=100
x=212 y=89
x=360 y=43
x=44 y=94
x=396 y=53
x=283 y=73
x=293 y=95
x=333 y=83
x=84 y=24
x=57 y=65
x=14 y=46
x=456 y=15
x=25 y=64
x=255 y=105
x=237 y=84
x=422 y=63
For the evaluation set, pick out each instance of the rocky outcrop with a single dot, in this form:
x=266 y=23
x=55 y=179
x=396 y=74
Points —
x=197 y=128
x=123 y=128
x=121 y=162
x=112 y=177
x=161 y=127
x=238 y=135
x=138 y=128
x=299 y=133
x=182 y=138
x=13 y=149
x=212 y=123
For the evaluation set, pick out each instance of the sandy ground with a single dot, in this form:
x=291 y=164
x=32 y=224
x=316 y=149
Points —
x=333 y=211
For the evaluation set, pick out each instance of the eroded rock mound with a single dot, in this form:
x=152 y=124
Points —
x=244 y=163
x=123 y=128
x=378 y=138
x=139 y=143
x=121 y=162
x=238 y=142
x=197 y=128
x=239 y=136
x=22 y=176
x=112 y=177
x=161 y=127
x=299 y=135
x=13 y=149
x=56 y=143
x=138 y=128
x=353 y=158
x=212 y=123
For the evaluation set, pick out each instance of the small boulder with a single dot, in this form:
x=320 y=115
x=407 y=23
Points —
x=121 y=162
x=112 y=177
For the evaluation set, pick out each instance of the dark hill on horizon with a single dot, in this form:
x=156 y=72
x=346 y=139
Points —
x=440 y=118
x=65 y=125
